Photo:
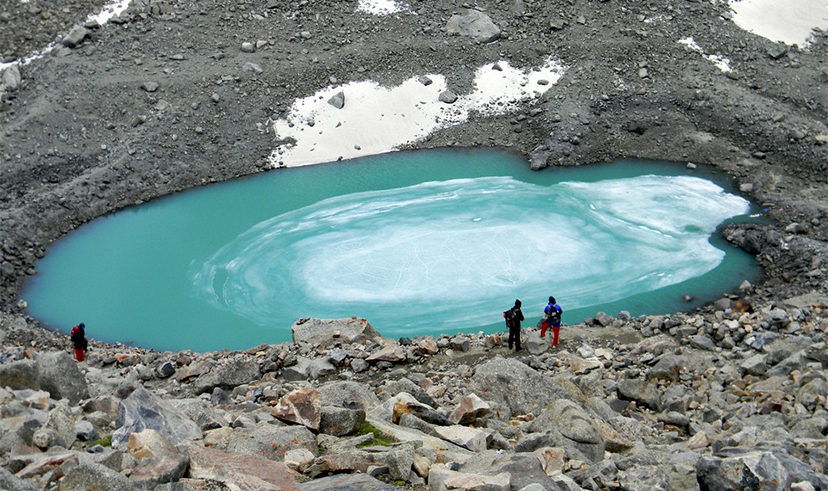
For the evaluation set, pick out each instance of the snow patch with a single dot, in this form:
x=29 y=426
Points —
x=376 y=119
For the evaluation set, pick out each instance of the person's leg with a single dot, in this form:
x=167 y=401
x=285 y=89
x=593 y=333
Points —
x=555 y=331
x=511 y=337
x=544 y=327
x=79 y=354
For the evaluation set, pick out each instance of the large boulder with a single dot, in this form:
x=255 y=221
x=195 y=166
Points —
x=229 y=375
x=10 y=482
x=271 y=442
x=158 y=459
x=240 y=471
x=348 y=394
x=329 y=331
x=95 y=477
x=18 y=375
x=566 y=425
x=348 y=482
x=60 y=376
x=513 y=388
x=302 y=406
x=474 y=24
x=144 y=410
x=755 y=470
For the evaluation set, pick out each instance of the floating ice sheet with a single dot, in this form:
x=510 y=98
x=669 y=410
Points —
x=412 y=255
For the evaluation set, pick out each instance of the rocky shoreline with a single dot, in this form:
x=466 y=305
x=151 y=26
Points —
x=159 y=101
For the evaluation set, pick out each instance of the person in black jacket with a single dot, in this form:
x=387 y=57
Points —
x=78 y=337
x=513 y=318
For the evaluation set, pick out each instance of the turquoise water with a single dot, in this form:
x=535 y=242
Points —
x=426 y=242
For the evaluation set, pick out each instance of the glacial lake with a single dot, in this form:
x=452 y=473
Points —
x=417 y=243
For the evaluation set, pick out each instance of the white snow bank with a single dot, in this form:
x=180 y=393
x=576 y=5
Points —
x=377 y=119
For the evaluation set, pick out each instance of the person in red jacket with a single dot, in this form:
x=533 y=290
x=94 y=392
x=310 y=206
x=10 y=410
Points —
x=78 y=337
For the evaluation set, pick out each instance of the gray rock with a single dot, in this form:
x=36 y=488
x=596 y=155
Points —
x=85 y=431
x=330 y=331
x=252 y=67
x=399 y=460
x=10 y=482
x=59 y=376
x=308 y=369
x=447 y=96
x=809 y=393
x=348 y=394
x=95 y=477
x=271 y=442
x=229 y=375
x=18 y=375
x=640 y=391
x=603 y=319
x=75 y=36
x=513 y=388
x=340 y=421
x=645 y=478
x=703 y=342
x=796 y=361
x=165 y=370
x=755 y=365
x=150 y=86
x=475 y=24
x=144 y=410
x=338 y=100
x=348 y=482
x=10 y=81
x=747 y=469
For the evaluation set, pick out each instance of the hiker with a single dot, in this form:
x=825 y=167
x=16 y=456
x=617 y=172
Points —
x=78 y=337
x=552 y=317
x=513 y=317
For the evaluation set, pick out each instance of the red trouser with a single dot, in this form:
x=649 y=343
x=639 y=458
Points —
x=79 y=354
x=555 y=331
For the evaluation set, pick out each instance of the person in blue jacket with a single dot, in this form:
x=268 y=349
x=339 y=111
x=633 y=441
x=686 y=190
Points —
x=553 y=313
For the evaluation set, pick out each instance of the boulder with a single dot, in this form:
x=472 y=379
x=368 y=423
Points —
x=10 y=482
x=340 y=421
x=302 y=406
x=60 y=376
x=75 y=36
x=229 y=375
x=144 y=410
x=348 y=394
x=240 y=471
x=474 y=24
x=271 y=442
x=329 y=331
x=513 y=388
x=10 y=81
x=393 y=353
x=755 y=470
x=442 y=477
x=470 y=409
x=158 y=459
x=348 y=482
x=307 y=369
x=18 y=375
x=95 y=477
x=470 y=438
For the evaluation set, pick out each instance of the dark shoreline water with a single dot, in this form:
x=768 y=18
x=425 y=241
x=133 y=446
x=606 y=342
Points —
x=120 y=305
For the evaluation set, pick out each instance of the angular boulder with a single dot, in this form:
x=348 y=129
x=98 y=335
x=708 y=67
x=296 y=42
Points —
x=158 y=459
x=755 y=470
x=470 y=409
x=144 y=410
x=228 y=375
x=474 y=24
x=330 y=331
x=60 y=376
x=240 y=471
x=302 y=406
